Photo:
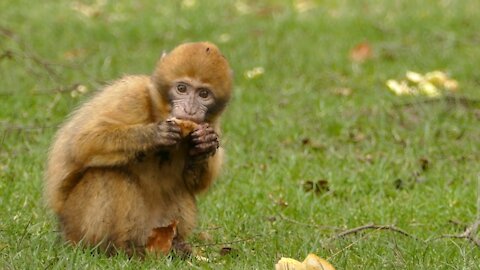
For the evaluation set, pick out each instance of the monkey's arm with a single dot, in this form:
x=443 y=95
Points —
x=117 y=124
x=110 y=145
x=200 y=173
x=205 y=160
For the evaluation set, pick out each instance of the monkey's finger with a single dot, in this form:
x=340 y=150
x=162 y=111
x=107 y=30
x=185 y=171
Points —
x=212 y=137
x=204 y=148
x=202 y=131
x=174 y=136
x=173 y=128
x=169 y=125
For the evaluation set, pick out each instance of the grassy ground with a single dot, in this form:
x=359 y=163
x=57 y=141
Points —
x=313 y=116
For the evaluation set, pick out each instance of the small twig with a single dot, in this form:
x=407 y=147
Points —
x=231 y=242
x=349 y=246
x=25 y=52
x=374 y=227
x=471 y=231
x=460 y=236
x=25 y=231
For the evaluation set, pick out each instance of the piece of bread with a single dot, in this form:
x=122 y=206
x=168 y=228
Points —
x=186 y=126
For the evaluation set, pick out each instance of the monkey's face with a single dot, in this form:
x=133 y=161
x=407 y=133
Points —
x=191 y=100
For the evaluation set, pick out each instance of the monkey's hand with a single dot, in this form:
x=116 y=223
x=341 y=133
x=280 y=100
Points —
x=205 y=141
x=167 y=134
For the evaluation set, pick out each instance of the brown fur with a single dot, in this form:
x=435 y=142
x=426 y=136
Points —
x=107 y=181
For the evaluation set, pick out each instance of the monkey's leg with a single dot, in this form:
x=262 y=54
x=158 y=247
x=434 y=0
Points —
x=107 y=209
x=187 y=217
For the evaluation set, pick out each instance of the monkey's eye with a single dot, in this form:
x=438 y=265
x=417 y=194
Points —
x=181 y=88
x=204 y=93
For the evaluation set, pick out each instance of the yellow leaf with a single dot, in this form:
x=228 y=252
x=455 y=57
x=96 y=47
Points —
x=289 y=264
x=429 y=89
x=414 y=76
x=436 y=77
x=399 y=88
x=255 y=72
x=313 y=262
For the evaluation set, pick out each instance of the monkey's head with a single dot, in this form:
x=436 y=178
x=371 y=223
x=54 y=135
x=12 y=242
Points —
x=195 y=80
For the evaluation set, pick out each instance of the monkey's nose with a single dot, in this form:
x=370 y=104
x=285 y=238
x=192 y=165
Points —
x=190 y=111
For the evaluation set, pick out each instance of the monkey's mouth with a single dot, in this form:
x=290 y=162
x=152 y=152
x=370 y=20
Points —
x=197 y=120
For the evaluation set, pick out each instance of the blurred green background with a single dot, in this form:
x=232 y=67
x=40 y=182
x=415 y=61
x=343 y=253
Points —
x=316 y=142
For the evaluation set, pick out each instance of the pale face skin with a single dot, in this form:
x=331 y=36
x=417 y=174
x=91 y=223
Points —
x=192 y=100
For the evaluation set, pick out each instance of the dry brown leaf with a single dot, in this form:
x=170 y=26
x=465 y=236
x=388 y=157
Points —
x=282 y=203
x=205 y=236
x=318 y=187
x=225 y=251
x=161 y=239
x=361 y=52
x=74 y=54
x=313 y=144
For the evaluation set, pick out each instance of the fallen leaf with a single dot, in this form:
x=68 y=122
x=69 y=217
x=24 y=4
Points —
x=432 y=84
x=201 y=258
x=188 y=4
x=93 y=10
x=451 y=85
x=79 y=90
x=74 y=54
x=225 y=251
x=343 y=91
x=399 y=88
x=161 y=239
x=414 y=76
x=224 y=38
x=398 y=183
x=312 y=144
x=311 y=262
x=424 y=163
x=318 y=187
x=302 y=6
x=436 y=77
x=205 y=236
x=357 y=136
x=361 y=52
x=254 y=73
x=289 y=264
x=367 y=158
x=282 y=203
x=429 y=89
x=271 y=219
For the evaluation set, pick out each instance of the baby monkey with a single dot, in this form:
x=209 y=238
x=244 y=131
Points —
x=121 y=166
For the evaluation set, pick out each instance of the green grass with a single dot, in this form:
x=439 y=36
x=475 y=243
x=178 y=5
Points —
x=283 y=128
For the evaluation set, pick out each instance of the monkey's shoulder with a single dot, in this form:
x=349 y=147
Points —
x=126 y=101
